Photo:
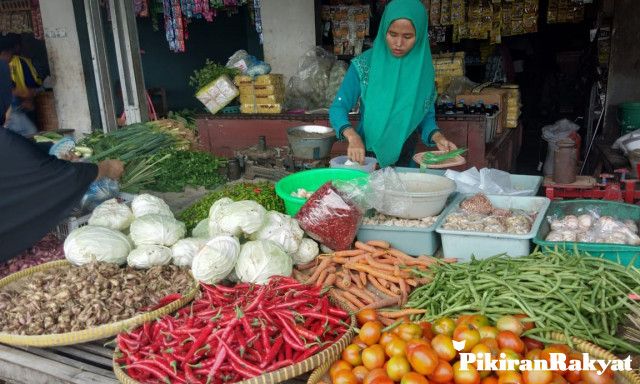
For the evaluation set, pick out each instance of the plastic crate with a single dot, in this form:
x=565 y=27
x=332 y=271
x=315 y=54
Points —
x=619 y=253
x=464 y=244
x=410 y=240
x=63 y=229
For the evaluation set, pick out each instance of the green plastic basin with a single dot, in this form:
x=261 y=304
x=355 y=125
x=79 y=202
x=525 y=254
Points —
x=310 y=180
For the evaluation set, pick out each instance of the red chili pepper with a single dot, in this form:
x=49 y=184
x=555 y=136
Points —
x=288 y=351
x=307 y=334
x=199 y=342
x=273 y=351
x=258 y=299
x=280 y=364
x=222 y=353
x=188 y=372
x=151 y=370
x=308 y=353
x=333 y=311
x=236 y=359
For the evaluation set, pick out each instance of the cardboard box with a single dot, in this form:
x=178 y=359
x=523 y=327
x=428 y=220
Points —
x=270 y=79
x=253 y=99
x=261 y=108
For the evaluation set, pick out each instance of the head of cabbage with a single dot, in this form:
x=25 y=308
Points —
x=90 y=243
x=307 y=252
x=201 y=230
x=281 y=229
x=147 y=256
x=241 y=217
x=112 y=214
x=145 y=204
x=185 y=250
x=216 y=212
x=216 y=259
x=157 y=229
x=260 y=260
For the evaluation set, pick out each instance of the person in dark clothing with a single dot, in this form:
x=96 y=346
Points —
x=38 y=190
x=6 y=86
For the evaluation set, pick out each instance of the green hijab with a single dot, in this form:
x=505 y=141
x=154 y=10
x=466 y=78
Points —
x=396 y=92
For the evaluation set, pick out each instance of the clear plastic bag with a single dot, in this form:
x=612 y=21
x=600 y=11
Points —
x=487 y=180
x=588 y=226
x=330 y=218
x=316 y=82
x=99 y=191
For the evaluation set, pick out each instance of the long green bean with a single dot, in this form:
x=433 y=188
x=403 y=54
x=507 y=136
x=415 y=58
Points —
x=573 y=293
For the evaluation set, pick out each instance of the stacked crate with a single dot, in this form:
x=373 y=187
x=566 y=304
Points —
x=262 y=94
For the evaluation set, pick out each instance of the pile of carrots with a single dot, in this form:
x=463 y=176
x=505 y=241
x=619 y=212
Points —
x=373 y=275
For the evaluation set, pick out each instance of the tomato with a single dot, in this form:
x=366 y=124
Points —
x=444 y=326
x=427 y=330
x=492 y=344
x=397 y=366
x=509 y=340
x=351 y=355
x=409 y=331
x=526 y=324
x=370 y=332
x=360 y=373
x=467 y=376
x=537 y=377
x=344 y=377
x=412 y=344
x=443 y=347
x=509 y=355
x=489 y=380
x=373 y=374
x=463 y=320
x=382 y=380
x=558 y=379
x=386 y=337
x=479 y=321
x=468 y=334
x=510 y=323
x=571 y=376
x=413 y=378
x=443 y=373
x=534 y=354
x=555 y=348
x=358 y=341
x=510 y=378
x=423 y=359
x=488 y=332
x=592 y=377
x=530 y=343
x=480 y=349
x=366 y=315
x=373 y=357
x=396 y=348
x=339 y=366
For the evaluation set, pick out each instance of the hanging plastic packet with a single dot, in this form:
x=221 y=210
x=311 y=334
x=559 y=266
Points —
x=98 y=192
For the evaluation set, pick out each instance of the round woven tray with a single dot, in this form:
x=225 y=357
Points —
x=330 y=354
x=91 y=334
x=624 y=377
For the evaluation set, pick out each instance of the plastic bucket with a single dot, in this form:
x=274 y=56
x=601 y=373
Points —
x=339 y=162
x=310 y=180
x=629 y=116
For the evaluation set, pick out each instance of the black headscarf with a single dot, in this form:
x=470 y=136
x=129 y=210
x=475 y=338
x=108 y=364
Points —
x=37 y=191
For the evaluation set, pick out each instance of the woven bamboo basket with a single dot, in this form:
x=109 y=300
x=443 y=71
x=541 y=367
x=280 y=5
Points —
x=286 y=373
x=87 y=335
x=624 y=377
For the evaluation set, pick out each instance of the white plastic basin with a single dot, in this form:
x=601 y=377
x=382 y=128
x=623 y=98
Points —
x=426 y=195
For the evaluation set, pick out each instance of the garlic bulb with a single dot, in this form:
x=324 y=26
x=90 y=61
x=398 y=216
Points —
x=571 y=222
x=585 y=221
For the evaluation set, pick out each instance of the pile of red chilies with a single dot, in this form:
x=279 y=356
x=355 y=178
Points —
x=233 y=333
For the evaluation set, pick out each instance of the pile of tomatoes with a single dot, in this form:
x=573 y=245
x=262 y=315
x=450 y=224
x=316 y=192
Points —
x=424 y=353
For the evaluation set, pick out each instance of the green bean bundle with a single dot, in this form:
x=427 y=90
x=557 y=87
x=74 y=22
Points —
x=580 y=295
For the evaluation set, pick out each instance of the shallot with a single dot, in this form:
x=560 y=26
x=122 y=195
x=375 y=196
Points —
x=46 y=250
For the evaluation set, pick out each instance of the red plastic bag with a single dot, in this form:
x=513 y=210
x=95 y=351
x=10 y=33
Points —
x=329 y=218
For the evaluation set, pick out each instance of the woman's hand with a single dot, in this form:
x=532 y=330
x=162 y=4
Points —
x=356 y=150
x=443 y=143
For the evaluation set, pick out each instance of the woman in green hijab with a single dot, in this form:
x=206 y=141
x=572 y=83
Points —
x=395 y=82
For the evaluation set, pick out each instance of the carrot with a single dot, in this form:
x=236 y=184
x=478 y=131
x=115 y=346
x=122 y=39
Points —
x=379 y=253
x=322 y=277
x=404 y=292
x=450 y=260
x=348 y=253
x=340 y=299
x=363 y=294
x=379 y=243
x=323 y=265
x=394 y=288
x=331 y=280
x=365 y=247
x=363 y=278
x=352 y=299
x=377 y=265
x=411 y=282
x=386 y=322
x=392 y=300
x=387 y=261
x=372 y=271
x=380 y=287
x=399 y=254
x=343 y=280
x=339 y=260
x=400 y=313
x=355 y=278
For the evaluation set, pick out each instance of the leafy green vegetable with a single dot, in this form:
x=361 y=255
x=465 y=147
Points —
x=210 y=72
x=432 y=158
x=188 y=168
x=263 y=192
